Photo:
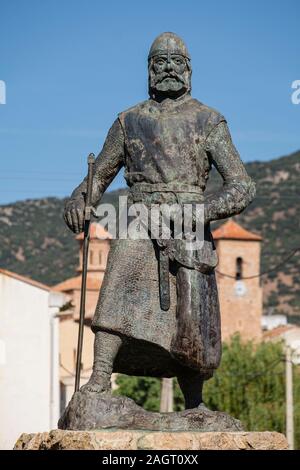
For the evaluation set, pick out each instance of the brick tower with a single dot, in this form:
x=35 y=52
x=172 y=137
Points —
x=240 y=294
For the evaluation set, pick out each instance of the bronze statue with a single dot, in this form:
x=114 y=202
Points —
x=158 y=311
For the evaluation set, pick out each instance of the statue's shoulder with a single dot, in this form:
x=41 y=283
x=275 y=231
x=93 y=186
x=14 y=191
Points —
x=139 y=107
x=208 y=111
x=206 y=116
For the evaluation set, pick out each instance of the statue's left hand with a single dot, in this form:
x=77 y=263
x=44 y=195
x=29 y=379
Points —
x=74 y=215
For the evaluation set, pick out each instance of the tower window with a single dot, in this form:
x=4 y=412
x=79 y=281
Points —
x=100 y=257
x=239 y=268
x=91 y=257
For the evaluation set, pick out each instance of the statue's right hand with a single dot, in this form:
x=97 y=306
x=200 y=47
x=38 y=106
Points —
x=74 y=215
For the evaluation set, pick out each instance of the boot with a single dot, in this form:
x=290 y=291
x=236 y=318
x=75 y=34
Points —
x=191 y=386
x=106 y=347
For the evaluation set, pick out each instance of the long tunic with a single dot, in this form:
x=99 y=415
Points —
x=169 y=147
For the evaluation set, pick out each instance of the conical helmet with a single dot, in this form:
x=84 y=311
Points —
x=168 y=43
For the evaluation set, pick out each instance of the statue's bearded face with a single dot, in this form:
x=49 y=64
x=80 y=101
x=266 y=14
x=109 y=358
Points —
x=169 y=74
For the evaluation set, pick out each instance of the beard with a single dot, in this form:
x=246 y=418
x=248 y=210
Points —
x=169 y=82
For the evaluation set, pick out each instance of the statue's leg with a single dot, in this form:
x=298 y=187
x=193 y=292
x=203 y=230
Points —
x=191 y=386
x=106 y=347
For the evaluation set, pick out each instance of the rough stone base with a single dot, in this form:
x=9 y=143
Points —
x=147 y=440
x=91 y=411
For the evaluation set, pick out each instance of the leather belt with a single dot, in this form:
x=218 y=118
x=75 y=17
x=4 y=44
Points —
x=173 y=187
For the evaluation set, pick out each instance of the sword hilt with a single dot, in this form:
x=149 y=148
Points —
x=89 y=193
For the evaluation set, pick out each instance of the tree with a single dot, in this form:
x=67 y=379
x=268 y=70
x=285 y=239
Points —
x=250 y=385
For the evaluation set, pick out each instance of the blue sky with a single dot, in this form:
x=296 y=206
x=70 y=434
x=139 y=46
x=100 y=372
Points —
x=70 y=66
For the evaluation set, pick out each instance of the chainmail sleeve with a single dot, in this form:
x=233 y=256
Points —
x=108 y=163
x=238 y=188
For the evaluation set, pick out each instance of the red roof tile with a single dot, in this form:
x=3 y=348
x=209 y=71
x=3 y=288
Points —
x=280 y=330
x=233 y=231
x=74 y=283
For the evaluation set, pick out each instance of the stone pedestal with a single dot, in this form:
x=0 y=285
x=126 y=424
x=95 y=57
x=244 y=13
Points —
x=103 y=422
x=151 y=440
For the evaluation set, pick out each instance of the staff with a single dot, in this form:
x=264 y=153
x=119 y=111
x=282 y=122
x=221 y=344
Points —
x=86 y=239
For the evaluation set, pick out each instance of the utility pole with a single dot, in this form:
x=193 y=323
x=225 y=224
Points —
x=289 y=397
x=166 y=396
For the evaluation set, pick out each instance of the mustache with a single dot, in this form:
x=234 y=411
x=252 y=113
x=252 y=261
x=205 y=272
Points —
x=159 y=78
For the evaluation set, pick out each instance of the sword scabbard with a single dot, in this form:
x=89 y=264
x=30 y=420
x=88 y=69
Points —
x=164 y=282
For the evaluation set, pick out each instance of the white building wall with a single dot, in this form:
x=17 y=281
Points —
x=269 y=322
x=25 y=360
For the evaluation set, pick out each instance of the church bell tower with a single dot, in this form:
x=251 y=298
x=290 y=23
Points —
x=239 y=286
